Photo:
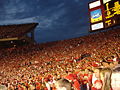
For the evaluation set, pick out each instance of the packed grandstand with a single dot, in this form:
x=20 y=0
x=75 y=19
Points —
x=38 y=66
x=17 y=34
x=17 y=30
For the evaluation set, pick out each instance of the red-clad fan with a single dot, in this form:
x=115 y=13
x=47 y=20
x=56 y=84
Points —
x=38 y=85
x=73 y=78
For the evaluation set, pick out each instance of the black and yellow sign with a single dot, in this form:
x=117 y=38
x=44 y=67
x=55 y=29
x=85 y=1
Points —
x=112 y=8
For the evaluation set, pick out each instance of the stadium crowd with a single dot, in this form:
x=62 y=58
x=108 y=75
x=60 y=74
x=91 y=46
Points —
x=82 y=61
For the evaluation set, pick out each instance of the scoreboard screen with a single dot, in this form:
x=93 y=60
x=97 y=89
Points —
x=96 y=15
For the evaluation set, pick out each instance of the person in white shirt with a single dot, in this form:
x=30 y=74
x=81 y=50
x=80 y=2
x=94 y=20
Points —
x=3 y=87
x=115 y=78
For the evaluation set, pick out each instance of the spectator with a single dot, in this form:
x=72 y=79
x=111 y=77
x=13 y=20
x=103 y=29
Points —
x=115 y=79
x=105 y=75
x=63 y=84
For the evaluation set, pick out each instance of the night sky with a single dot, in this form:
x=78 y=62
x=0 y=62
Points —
x=58 y=19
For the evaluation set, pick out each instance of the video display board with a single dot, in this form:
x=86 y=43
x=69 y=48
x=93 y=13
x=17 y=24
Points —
x=96 y=15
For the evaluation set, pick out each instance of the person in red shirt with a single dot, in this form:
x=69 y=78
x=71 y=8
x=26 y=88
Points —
x=83 y=79
x=73 y=78
x=38 y=85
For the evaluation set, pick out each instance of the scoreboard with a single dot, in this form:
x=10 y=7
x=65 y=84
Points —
x=111 y=12
x=104 y=14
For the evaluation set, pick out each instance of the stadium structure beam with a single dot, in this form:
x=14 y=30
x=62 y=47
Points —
x=9 y=39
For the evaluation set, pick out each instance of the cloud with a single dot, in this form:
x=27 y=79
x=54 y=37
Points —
x=49 y=20
x=45 y=19
x=12 y=8
x=60 y=5
x=18 y=21
x=77 y=0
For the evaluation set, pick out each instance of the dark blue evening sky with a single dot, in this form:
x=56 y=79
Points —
x=58 y=19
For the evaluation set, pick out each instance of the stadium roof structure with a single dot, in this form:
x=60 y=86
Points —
x=16 y=31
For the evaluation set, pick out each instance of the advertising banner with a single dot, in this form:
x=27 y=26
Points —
x=94 y=4
x=96 y=15
x=105 y=1
x=97 y=26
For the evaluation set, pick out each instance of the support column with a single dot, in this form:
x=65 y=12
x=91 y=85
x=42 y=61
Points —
x=32 y=35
